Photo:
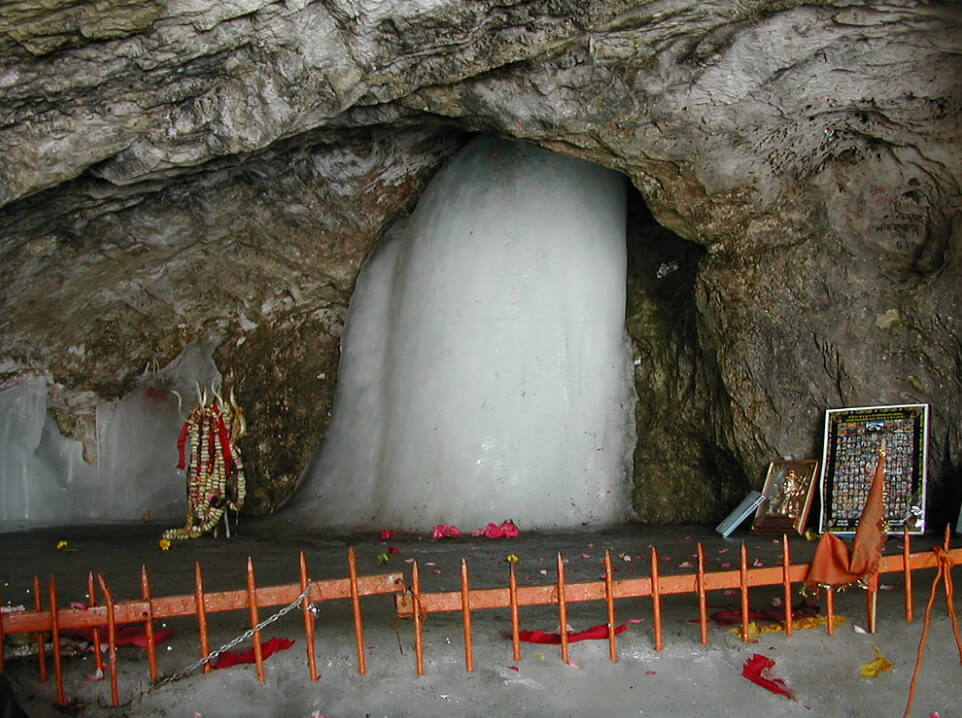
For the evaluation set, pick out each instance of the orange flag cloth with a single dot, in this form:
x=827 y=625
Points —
x=834 y=564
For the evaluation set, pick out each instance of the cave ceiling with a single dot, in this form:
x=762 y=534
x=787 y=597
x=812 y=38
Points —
x=172 y=170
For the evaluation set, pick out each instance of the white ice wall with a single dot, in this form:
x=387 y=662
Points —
x=485 y=372
x=44 y=480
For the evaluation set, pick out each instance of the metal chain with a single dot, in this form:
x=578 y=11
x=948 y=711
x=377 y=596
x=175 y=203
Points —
x=230 y=644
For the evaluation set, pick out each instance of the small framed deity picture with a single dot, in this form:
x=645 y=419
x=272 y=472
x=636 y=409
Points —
x=853 y=438
x=788 y=490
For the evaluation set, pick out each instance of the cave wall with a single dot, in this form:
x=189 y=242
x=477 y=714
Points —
x=174 y=169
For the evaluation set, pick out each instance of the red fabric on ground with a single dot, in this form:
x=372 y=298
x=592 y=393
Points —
x=593 y=633
x=756 y=670
x=229 y=658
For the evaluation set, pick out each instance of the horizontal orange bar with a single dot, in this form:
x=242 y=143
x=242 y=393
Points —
x=167 y=607
x=444 y=601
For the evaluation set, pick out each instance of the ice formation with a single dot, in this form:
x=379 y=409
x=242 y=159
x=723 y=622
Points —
x=485 y=372
x=44 y=479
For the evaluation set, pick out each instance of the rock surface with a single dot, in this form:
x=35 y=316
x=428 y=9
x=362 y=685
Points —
x=173 y=169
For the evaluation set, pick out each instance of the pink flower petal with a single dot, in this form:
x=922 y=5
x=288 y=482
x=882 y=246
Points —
x=509 y=530
x=387 y=534
x=726 y=564
x=756 y=563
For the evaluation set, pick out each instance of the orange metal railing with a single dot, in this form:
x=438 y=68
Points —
x=419 y=605
x=55 y=620
x=412 y=602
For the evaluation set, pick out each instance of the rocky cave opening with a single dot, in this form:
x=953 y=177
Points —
x=217 y=175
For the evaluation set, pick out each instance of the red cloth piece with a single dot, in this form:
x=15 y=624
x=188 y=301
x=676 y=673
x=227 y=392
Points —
x=181 y=444
x=593 y=633
x=229 y=658
x=757 y=669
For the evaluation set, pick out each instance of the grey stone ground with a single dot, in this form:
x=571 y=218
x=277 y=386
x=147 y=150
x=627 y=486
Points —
x=685 y=678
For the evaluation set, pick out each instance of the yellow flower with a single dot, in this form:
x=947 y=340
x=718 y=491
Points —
x=383 y=557
x=512 y=558
x=164 y=544
x=62 y=545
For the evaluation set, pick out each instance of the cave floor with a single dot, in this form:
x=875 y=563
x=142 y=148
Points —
x=685 y=678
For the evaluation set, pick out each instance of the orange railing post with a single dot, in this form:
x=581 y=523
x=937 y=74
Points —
x=743 y=589
x=656 y=598
x=111 y=639
x=466 y=617
x=787 y=586
x=907 y=572
x=418 y=618
x=562 y=609
x=308 y=619
x=201 y=603
x=55 y=638
x=356 y=609
x=145 y=594
x=702 y=595
x=610 y=605
x=515 y=612
x=255 y=619
x=41 y=638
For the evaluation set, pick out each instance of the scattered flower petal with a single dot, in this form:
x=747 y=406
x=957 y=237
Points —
x=685 y=564
x=880 y=664
x=651 y=673
x=443 y=531
x=543 y=572
x=512 y=558
x=387 y=535
x=97 y=675
x=726 y=564
x=383 y=557
x=756 y=563
x=509 y=530
x=858 y=629
x=393 y=549
x=514 y=668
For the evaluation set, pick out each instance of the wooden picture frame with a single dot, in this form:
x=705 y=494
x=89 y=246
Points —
x=788 y=490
